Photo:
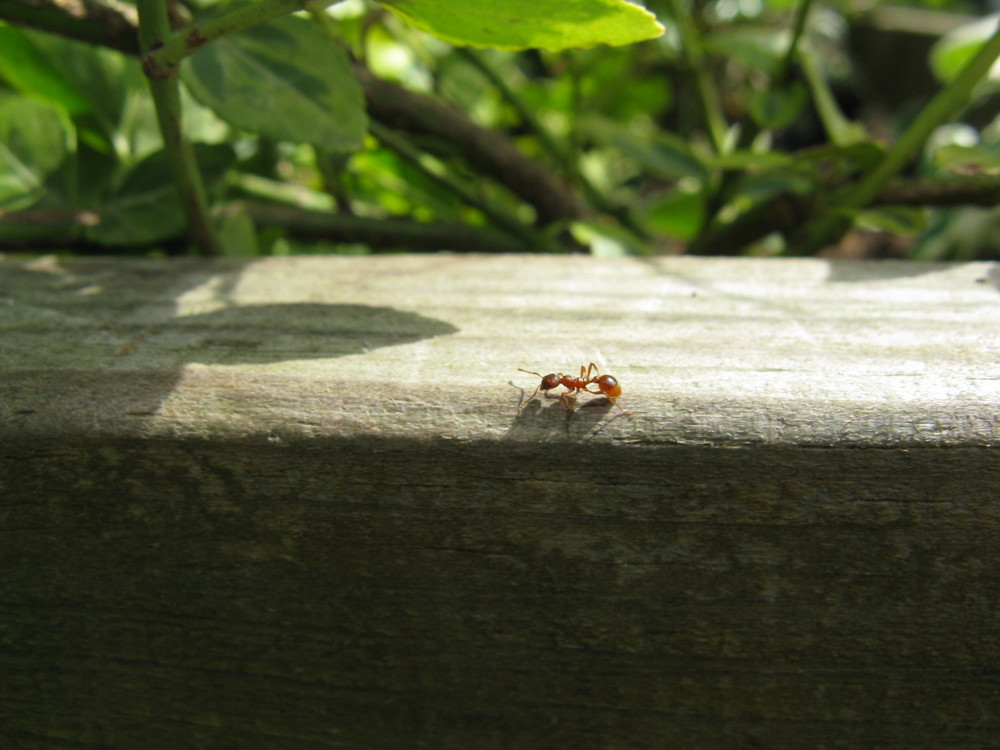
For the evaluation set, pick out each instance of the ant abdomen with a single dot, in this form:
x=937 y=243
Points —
x=609 y=386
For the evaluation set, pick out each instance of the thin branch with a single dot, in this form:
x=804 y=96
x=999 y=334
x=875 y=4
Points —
x=694 y=56
x=379 y=233
x=458 y=187
x=109 y=23
x=787 y=64
x=153 y=26
x=949 y=191
x=386 y=233
x=489 y=152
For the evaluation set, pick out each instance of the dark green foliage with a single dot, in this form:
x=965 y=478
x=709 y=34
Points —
x=745 y=128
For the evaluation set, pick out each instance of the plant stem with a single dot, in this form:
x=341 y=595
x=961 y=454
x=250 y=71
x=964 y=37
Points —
x=708 y=95
x=829 y=227
x=558 y=153
x=466 y=193
x=383 y=232
x=840 y=130
x=784 y=71
x=153 y=28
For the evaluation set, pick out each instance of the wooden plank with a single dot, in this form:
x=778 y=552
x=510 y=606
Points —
x=290 y=503
x=709 y=351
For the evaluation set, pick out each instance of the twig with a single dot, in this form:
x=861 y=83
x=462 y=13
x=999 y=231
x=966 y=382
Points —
x=829 y=227
x=458 y=187
x=153 y=28
x=385 y=233
x=491 y=153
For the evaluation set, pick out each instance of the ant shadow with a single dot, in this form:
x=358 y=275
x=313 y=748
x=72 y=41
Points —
x=129 y=322
x=553 y=420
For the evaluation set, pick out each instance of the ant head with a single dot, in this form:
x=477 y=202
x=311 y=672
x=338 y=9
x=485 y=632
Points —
x=549 y=382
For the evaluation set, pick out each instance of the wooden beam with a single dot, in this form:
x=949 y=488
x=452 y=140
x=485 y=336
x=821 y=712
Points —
x=290 y=503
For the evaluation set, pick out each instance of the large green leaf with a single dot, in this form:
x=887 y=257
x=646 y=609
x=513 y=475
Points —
x=92 y=85
x=35 y=137
x=285 y=80
x=31 y=70
x=102 y=78
x=146 y=208
x=524 y=24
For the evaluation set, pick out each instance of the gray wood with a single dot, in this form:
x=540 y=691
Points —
x=289 y=503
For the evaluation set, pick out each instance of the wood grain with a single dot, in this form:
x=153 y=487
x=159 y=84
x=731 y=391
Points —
x=289 y=503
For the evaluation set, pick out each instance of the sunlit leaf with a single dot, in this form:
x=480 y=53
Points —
x=951 y=53
x=979 y=157
x=606 y=241
x=525 y=24
x=30 y=70
x=895 y=219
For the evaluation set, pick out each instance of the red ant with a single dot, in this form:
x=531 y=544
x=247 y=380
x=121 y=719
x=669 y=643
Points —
x=606 y=384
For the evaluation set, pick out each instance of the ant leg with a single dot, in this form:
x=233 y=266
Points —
x=614 y=401
x=528 y=400
x=569 y=399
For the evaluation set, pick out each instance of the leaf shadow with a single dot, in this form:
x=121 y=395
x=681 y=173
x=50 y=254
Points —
x=63 y=323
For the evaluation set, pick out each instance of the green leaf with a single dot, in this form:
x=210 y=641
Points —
x=606 y=241
x=834 y=164
x=676 y=214
x=30 y=70
x=35 y=138
x=525 y=24
x=285 y=80
x=895 y=219
x=760 y=48
x=146 y=208
x=951 y=53
x=777 y=108
x=750 y=160
x=979 y=157
x=840 y=130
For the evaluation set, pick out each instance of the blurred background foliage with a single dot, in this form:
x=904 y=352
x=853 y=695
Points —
x=712 y=139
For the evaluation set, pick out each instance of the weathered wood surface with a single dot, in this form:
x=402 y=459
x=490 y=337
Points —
x=289 y=503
